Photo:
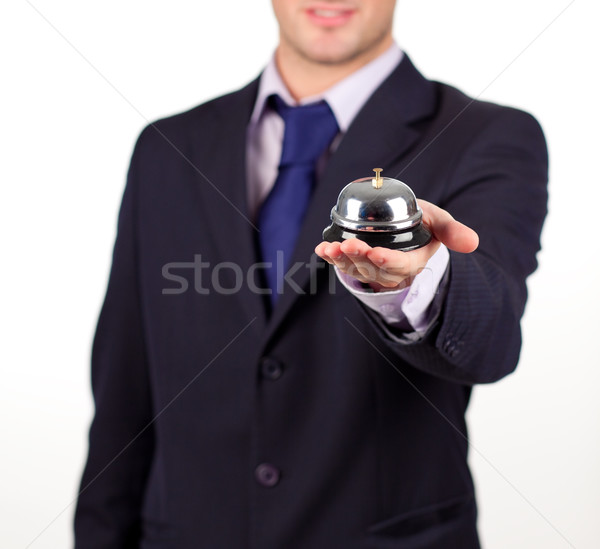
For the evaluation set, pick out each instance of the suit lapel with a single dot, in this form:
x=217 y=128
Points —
x=221 y=157
x=381 y=135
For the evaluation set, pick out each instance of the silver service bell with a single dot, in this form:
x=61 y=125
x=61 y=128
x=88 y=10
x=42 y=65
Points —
x=381 y=211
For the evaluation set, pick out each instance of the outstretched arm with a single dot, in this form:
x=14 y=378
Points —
x=497 y=187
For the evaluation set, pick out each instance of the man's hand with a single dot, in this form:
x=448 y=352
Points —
x=383 y=268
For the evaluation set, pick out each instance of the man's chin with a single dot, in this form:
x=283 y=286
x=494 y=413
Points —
x=332 y=56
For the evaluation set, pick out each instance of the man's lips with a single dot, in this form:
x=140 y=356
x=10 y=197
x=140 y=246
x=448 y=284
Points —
x=329 y=15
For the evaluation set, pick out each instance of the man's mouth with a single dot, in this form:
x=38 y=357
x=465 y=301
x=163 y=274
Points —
x=329 y=16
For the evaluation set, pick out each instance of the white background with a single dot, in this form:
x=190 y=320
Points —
x=80 y=80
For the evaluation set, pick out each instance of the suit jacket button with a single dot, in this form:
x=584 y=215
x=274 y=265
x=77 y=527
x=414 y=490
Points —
x=271 y=368
x=267 y=475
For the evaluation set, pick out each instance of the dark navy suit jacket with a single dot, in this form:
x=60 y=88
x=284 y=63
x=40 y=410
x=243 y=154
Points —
x=362 y=431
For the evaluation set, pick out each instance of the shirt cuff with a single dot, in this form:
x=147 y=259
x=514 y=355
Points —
x=409 y=308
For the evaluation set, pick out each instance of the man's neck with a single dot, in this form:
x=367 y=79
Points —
x=305 y=78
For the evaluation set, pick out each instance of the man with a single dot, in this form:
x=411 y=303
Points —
x=296 y=411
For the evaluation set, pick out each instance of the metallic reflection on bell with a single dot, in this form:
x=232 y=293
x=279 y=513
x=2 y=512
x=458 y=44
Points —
x=381 y=211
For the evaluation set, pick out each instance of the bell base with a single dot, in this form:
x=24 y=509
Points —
x=405 y=241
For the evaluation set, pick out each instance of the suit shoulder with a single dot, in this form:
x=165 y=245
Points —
x=177 y=128
x=468 y=113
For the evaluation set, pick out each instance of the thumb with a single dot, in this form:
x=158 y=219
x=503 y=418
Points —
x=453 y=234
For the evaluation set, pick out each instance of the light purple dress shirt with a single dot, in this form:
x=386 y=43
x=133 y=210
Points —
x=412 y=305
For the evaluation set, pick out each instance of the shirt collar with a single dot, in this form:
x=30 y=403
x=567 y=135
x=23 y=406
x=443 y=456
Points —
x=345 y=98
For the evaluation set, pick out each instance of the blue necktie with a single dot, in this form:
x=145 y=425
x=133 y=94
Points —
x=309 y=130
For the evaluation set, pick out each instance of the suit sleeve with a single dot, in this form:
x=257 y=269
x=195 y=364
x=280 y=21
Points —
x=499 y=188
x=121 y=435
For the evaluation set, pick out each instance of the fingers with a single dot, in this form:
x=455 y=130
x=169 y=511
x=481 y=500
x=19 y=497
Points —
x=377 y=266
x=453 y=234
x=357 y=252
x=333 y=254
x=400 y=263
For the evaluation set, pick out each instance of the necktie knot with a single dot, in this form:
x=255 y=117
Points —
x=309 y=129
